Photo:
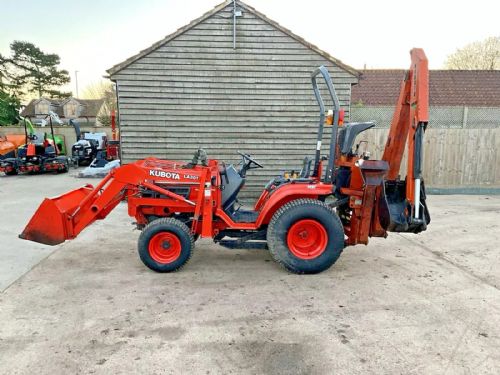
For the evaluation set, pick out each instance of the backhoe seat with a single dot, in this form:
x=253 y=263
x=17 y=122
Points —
x=230 y=190
x=349 y=132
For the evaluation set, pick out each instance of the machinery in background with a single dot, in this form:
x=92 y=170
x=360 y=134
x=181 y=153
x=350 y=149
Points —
x=90 y=149
x=305 y=220
x=94 y=148
x=87 y=145
x=106 y=157
x=113 y=146
x=54 y=117
x=41 y=152
x=9 y=144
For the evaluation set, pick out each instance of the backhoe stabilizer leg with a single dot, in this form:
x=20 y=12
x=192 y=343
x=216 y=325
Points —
x=417 y=166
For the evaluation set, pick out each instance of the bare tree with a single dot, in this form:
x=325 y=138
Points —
x=102 y=90
x=483 y=55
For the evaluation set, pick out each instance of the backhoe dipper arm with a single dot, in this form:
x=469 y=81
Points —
x=64 y=217
x=408 y=125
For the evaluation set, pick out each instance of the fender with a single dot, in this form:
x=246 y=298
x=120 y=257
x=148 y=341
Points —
x=290 y=192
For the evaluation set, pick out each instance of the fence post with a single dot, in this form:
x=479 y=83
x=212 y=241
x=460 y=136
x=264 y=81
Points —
x=464 y=117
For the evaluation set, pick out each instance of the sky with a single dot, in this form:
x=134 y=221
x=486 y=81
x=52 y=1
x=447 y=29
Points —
x=91 y=36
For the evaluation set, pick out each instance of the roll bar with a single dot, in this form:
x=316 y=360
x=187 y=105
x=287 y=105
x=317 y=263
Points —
x=336 y=114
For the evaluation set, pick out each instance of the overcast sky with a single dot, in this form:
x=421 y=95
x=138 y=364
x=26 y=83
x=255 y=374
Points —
x=91 y=36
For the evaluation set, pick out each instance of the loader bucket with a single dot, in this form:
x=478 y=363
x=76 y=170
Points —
x=52 y=223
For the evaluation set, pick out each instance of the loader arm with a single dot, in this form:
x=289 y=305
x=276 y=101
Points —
x=408 y=125
x=64 y=217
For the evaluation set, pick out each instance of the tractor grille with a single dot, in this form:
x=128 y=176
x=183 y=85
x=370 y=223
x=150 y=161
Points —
x=183 y=191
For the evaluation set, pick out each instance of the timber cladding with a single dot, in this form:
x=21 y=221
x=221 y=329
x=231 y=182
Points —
x=453 y=158
x=193 y=90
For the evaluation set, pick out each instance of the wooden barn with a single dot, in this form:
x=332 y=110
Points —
x=230 y=80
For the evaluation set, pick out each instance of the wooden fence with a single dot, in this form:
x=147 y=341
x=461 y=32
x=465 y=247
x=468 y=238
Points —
x=453 y=158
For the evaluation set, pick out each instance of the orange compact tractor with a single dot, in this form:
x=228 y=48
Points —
x=304 y=220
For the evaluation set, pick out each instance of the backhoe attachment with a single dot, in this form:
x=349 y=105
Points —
x=406 y=198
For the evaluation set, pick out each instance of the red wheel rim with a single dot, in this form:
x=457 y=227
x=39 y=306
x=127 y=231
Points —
x=165 y=247
x=307 y=239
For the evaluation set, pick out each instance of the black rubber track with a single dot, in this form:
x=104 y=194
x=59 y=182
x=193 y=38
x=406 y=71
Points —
x=171 y=225
x=300 y=209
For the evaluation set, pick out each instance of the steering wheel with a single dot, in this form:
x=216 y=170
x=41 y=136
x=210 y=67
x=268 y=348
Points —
x=249 y=158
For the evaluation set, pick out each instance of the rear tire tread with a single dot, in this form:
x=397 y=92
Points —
x=274 y=243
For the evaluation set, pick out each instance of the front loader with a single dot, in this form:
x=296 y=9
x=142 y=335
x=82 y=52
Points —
x=304 y=219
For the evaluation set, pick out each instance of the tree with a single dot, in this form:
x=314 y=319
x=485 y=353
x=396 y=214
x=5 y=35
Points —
x=9 y=104
x=483 y=55
x=102 y=90
x=9 y=108
x=5 y=83
x=34 y=71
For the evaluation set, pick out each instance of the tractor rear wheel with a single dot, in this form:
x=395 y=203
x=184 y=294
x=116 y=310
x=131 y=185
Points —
x=305 y=236
x=165 y=245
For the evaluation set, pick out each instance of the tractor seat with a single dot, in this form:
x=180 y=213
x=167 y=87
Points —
x=349 y=132
x=230 y=187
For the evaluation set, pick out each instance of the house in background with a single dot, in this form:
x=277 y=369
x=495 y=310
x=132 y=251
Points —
x=230 y=80
x=457 y=98
x=85 y=110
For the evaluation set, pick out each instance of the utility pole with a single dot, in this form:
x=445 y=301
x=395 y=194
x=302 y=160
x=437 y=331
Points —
x=76 y=82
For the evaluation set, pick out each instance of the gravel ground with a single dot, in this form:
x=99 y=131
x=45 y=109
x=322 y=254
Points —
x=408 y=304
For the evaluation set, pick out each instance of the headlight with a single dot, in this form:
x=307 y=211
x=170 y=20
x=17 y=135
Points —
x=35 y=158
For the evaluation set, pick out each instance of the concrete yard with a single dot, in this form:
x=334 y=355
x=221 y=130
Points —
x=424 y=304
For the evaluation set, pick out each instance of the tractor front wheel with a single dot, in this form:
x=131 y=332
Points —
x=165 y=245
x=305 y=236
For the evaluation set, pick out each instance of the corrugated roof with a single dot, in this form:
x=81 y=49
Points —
x=115 y=69
x=475 y=88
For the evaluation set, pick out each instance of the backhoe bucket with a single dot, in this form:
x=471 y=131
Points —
x=52 y=223
x=400 y=214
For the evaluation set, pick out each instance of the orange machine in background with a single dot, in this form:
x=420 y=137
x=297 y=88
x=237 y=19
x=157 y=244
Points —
x=10 y=143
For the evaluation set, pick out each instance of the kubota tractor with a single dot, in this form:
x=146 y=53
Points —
x=304 y=220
